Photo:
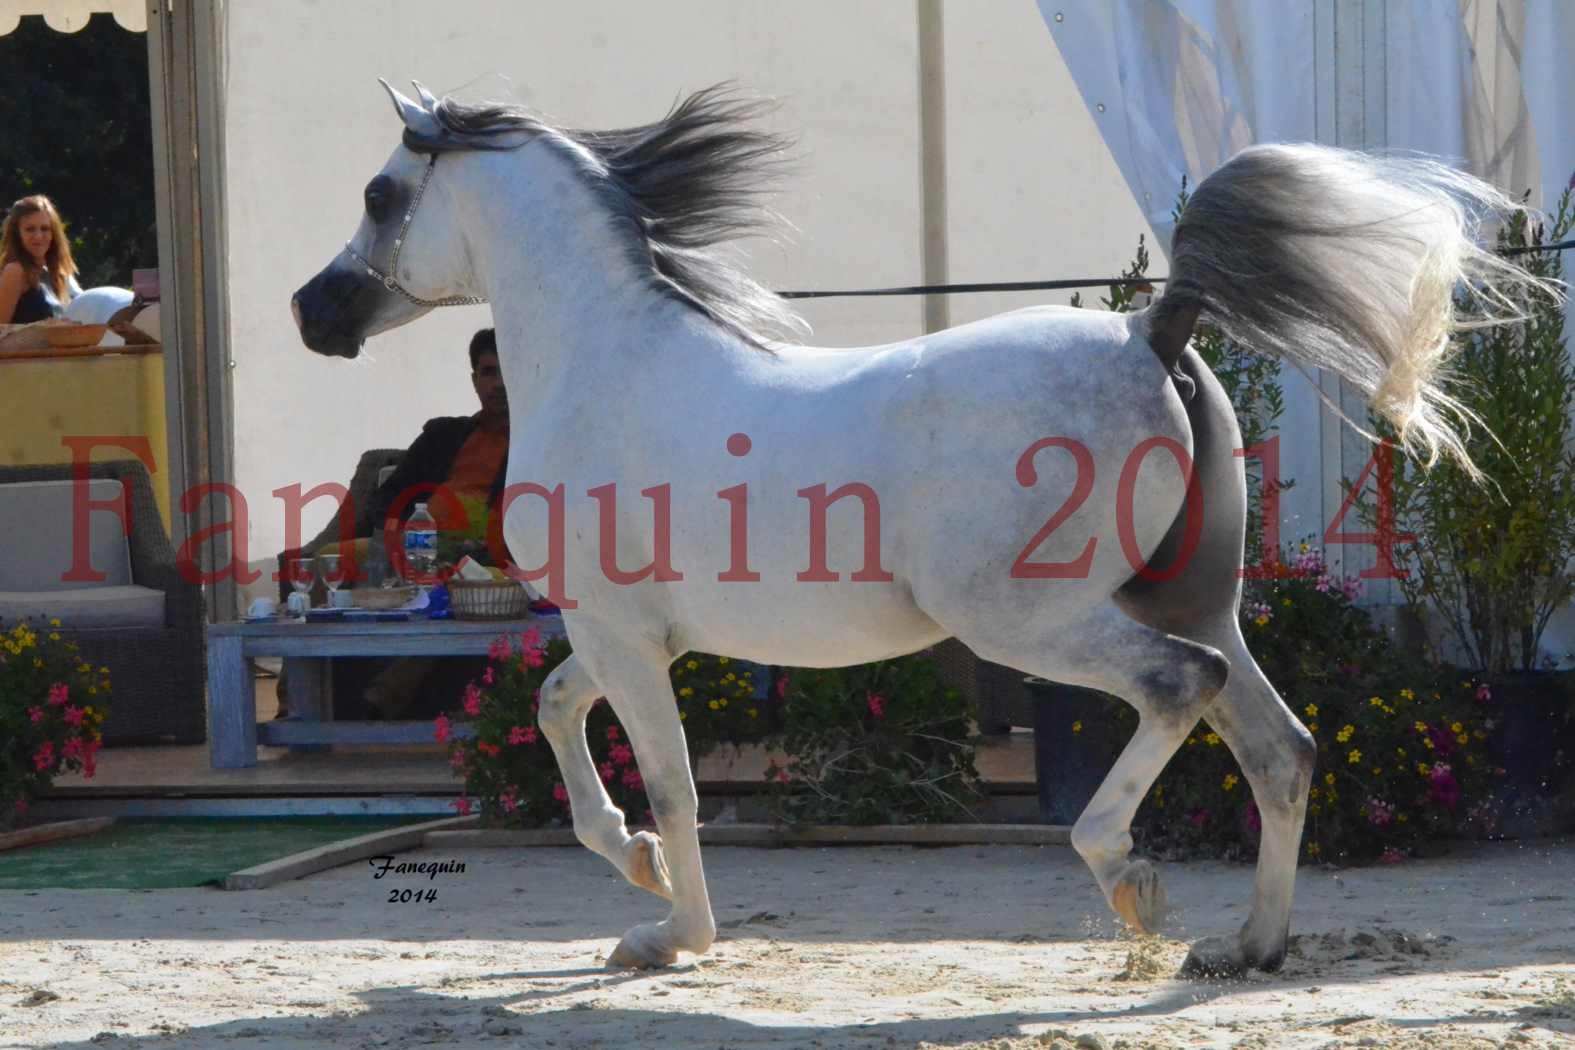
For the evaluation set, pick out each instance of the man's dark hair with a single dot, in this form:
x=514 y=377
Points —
x=483 y=342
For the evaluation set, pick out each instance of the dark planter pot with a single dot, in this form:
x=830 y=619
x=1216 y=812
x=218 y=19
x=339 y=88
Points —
x=1070 y=765
x=1533 y=736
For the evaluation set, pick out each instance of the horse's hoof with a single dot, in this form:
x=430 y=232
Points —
x=647 y=866
x=1139 y=898
x=642 y=948
x=1215 y=957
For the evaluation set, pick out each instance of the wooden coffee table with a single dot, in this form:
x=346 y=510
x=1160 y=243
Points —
x=233 y=732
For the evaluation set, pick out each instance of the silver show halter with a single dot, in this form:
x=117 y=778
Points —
x=387 y=279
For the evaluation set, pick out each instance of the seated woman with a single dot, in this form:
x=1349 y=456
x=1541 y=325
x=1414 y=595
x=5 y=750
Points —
x=37 y=274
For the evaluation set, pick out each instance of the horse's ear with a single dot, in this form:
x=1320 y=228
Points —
x=428 y=100
x=417 y=119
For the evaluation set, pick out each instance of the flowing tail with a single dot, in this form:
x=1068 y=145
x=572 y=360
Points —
x=1346 y=261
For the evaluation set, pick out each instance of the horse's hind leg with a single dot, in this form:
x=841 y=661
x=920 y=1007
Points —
x=1168 y=680
x=566 y=699
x=1277 y=755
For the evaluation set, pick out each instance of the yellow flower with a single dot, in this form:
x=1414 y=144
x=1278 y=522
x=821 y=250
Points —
x=1313 y=849
x=1423 y=769
x=724 y=661
x=729 y=677
x=686 y=691
x=92 y=690
x=1478 y=734
x=713 y=705
x=54 y=636
x=1286 y=602
x=1312 y=710
x=37 y=662
x=1457 y=728
x=1191 y=740
x=1428 y=743
x=1406 y=694
x=1375 y=701
x=1328 y=778
x=1401 y=818
x=1378 y=771
x=55 y=622
x=1421 y=727
x=753 y=713
x=693 y=665
x=1304 y=548
x=682 y=715
x=1353 y=757
x=1400 y=751
x=1462 y=739
x=1262 y=620
x=1212 y=739
x=1077 y=727
x=1312 y=727
x=723 y=701
x=1230 y=781
x=1346 y=732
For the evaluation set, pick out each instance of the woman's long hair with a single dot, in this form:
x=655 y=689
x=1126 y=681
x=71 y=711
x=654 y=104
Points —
x=58 y=259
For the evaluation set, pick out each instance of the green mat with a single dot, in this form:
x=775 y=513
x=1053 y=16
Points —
x=166 y=854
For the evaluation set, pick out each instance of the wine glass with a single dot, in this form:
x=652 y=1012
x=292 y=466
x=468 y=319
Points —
x=328 y=569
x=302 y=577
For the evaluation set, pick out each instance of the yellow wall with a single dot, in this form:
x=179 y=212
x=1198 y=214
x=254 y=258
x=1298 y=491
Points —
x=43 y=399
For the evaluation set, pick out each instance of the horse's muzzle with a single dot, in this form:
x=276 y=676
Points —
x=333 y=311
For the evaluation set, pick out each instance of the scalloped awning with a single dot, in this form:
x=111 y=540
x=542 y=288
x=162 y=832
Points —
x=68 y=16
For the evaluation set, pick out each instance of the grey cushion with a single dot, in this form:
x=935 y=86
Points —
x=36 y=520
x=103 y=606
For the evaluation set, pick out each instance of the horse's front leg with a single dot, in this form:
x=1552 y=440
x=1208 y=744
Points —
x=566 y=699
x=634 y=677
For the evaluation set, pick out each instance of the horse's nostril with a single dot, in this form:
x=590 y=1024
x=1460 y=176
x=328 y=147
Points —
x=295 y=310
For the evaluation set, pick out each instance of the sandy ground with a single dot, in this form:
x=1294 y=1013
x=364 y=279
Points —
x=1000 y=947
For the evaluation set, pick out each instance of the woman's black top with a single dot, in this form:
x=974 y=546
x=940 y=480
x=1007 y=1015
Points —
x=39 y=303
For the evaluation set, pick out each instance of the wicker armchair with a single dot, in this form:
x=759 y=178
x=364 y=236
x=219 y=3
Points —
x=159 y=672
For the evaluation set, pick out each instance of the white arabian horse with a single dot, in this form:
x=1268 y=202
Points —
x=646 y=385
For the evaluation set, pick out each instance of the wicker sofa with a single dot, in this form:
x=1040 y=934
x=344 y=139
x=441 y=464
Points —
x=144 y=621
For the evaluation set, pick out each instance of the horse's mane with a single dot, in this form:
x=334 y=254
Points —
x=680 y=188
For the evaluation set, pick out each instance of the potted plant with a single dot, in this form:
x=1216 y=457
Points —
x=1491 y=559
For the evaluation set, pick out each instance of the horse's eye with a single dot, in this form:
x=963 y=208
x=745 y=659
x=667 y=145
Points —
x=379 y=198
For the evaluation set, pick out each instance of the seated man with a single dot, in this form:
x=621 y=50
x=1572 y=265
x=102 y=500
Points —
x=468 y=457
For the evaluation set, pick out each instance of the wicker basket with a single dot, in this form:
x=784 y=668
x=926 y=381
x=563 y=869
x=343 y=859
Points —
x=487 y=599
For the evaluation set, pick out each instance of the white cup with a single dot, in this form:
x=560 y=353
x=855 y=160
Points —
x=298 y=603
x=261 y=608
x=341 y=599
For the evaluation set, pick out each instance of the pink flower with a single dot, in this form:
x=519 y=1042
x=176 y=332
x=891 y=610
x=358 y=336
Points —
x=510 y=800
x=440 y=729
x=461 y=805
x=1198 y=817
x=531 y=658
x=1252 y=818
x=499 y=649
x=1380 y=814
x=457 y=760
x=1443 y=741
x=612 y=733
x=36 y=714
x=1351 y=588
x=560 y=793
x=58 y=693
x=74 y=716
x=73 y=749
x=877 y=704
x=1484 y=694
x=472 y=699
x=621 y=755
x=490 y=750
x=632 y=779
x=44 y=759
x=1442 y=787
x=517 y=736
x=488 y=676
x=1325 y=584
x=782 y=776
x=607 y=771
x=782 y=687
x=1391 y=856
x=531 y=639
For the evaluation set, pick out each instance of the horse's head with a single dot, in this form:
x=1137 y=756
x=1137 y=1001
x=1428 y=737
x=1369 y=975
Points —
x=407 y=255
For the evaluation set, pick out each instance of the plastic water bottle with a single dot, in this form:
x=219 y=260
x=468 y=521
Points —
x=420 y=535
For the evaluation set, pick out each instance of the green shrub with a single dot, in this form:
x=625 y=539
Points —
x=881 y=743
x=52 y=703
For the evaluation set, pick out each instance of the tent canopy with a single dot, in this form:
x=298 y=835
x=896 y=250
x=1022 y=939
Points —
x=68 y=16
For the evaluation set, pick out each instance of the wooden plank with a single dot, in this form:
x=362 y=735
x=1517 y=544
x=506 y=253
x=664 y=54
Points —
x=63 y=829
x=309 y=862
x=290 y=732
x=770 y=836
x=232 y=706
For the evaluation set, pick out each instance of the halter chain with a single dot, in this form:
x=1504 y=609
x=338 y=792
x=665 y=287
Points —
x=387 y=279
